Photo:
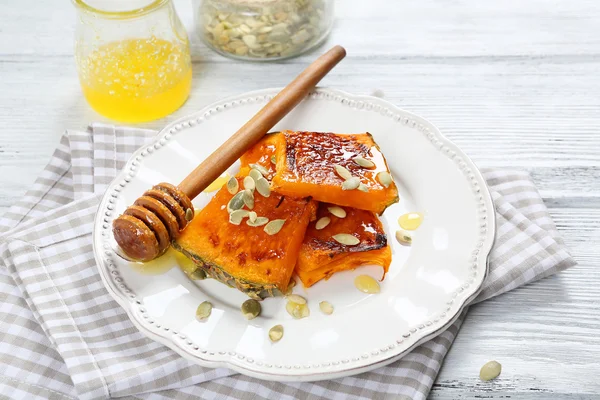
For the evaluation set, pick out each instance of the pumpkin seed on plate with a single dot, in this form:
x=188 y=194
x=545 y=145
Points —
x=251 y=309
x=198 y=275
x=384 y=178
x=294 y=298
x=351 y=184
x=203 y=311
x=259 y=168
x=249 y=183
x=366 y=284
x=273 y=159
x=236 y=202
x=260 y=221
x=274 y=226
x=342 y=172
x=263 y=187
x=322 y=223
x=255 y=174
x=237 y=216
x=490 y=370
x=346 y=239
x=403 y=238
x=290 y=287
x=276 y=333
x=252 y=216
x=232 y=185
x=248 y=198
x=363 y=188
x=363 y=162
x=189 y=214
x=337 y=211
x=326 y=307
x=298 y=311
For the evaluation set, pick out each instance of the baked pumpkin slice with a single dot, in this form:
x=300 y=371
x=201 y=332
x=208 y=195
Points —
x=243 y=256
x=321 y=255
x=344 y=169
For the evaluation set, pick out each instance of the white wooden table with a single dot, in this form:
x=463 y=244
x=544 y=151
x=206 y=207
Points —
x=515 y=83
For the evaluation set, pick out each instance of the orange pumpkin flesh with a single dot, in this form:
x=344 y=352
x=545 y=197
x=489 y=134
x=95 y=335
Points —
x=260 y=154
x=321 y=256
x=247 y=257
x=306 y=167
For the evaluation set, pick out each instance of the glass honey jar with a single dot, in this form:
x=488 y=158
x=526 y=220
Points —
x=133 y=58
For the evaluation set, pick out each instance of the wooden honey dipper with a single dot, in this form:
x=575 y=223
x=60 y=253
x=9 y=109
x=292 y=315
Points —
x=145 y=230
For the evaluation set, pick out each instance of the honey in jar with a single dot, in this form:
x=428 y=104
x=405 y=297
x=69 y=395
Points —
x=134 y=65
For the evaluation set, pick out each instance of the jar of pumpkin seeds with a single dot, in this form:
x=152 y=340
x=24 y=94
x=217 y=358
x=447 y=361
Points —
x=263 y=30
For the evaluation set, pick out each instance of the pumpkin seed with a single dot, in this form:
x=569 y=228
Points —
x=363 y=188
x=403 y=238
x=296 y=310
x=255 y=174
x=189 y=214
x=337 y=211
x=351 y=184
x=252 y=216
x=236 y=202
x=342 y=172
x=326 y=307
x=490 y=370
x=290 y=287
x=366 y=284
x=198 y=275
x=249 y=183
x=232 y=185
x=237 y=216
x=260 y=221
x=259 y=168
x=363 y=162
x=274 y=226
x=251 y=309
x=263 y=187
x=273 y=159
x=203 y=311
x=294 y=298
x=346 y=239
x=322 y=223
x=384 y=178
x=276 y=333
x=248 y=198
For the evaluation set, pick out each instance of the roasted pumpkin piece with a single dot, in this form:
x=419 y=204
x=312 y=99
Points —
x=261 y=154
x=246 y=257
x=321 y=255
x=333 y=168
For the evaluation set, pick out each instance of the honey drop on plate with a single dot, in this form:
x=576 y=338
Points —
x=217 y=183
x=410 y=221
x=366 y=284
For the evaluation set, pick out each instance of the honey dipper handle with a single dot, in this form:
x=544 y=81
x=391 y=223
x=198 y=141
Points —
x=215 y=164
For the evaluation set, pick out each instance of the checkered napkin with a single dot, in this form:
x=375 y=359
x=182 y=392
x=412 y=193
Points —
x=64 y=337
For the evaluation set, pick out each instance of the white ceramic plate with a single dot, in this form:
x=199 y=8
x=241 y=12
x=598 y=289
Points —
x=426 y=287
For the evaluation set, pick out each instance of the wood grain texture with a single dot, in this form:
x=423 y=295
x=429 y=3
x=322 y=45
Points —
x=514 y=83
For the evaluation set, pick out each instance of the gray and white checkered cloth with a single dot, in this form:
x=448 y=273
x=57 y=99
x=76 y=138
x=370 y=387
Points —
x=64 y=337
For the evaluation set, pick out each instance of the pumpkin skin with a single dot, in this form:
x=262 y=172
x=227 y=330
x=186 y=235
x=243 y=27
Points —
x=246 y=257
x=321 y=256
x=306 y=167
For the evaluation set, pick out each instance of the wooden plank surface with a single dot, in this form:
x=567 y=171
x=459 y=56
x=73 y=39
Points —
x=514 y=83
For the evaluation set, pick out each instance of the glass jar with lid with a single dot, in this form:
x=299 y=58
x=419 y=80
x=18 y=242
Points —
x=263 y=30
x=133 y=58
